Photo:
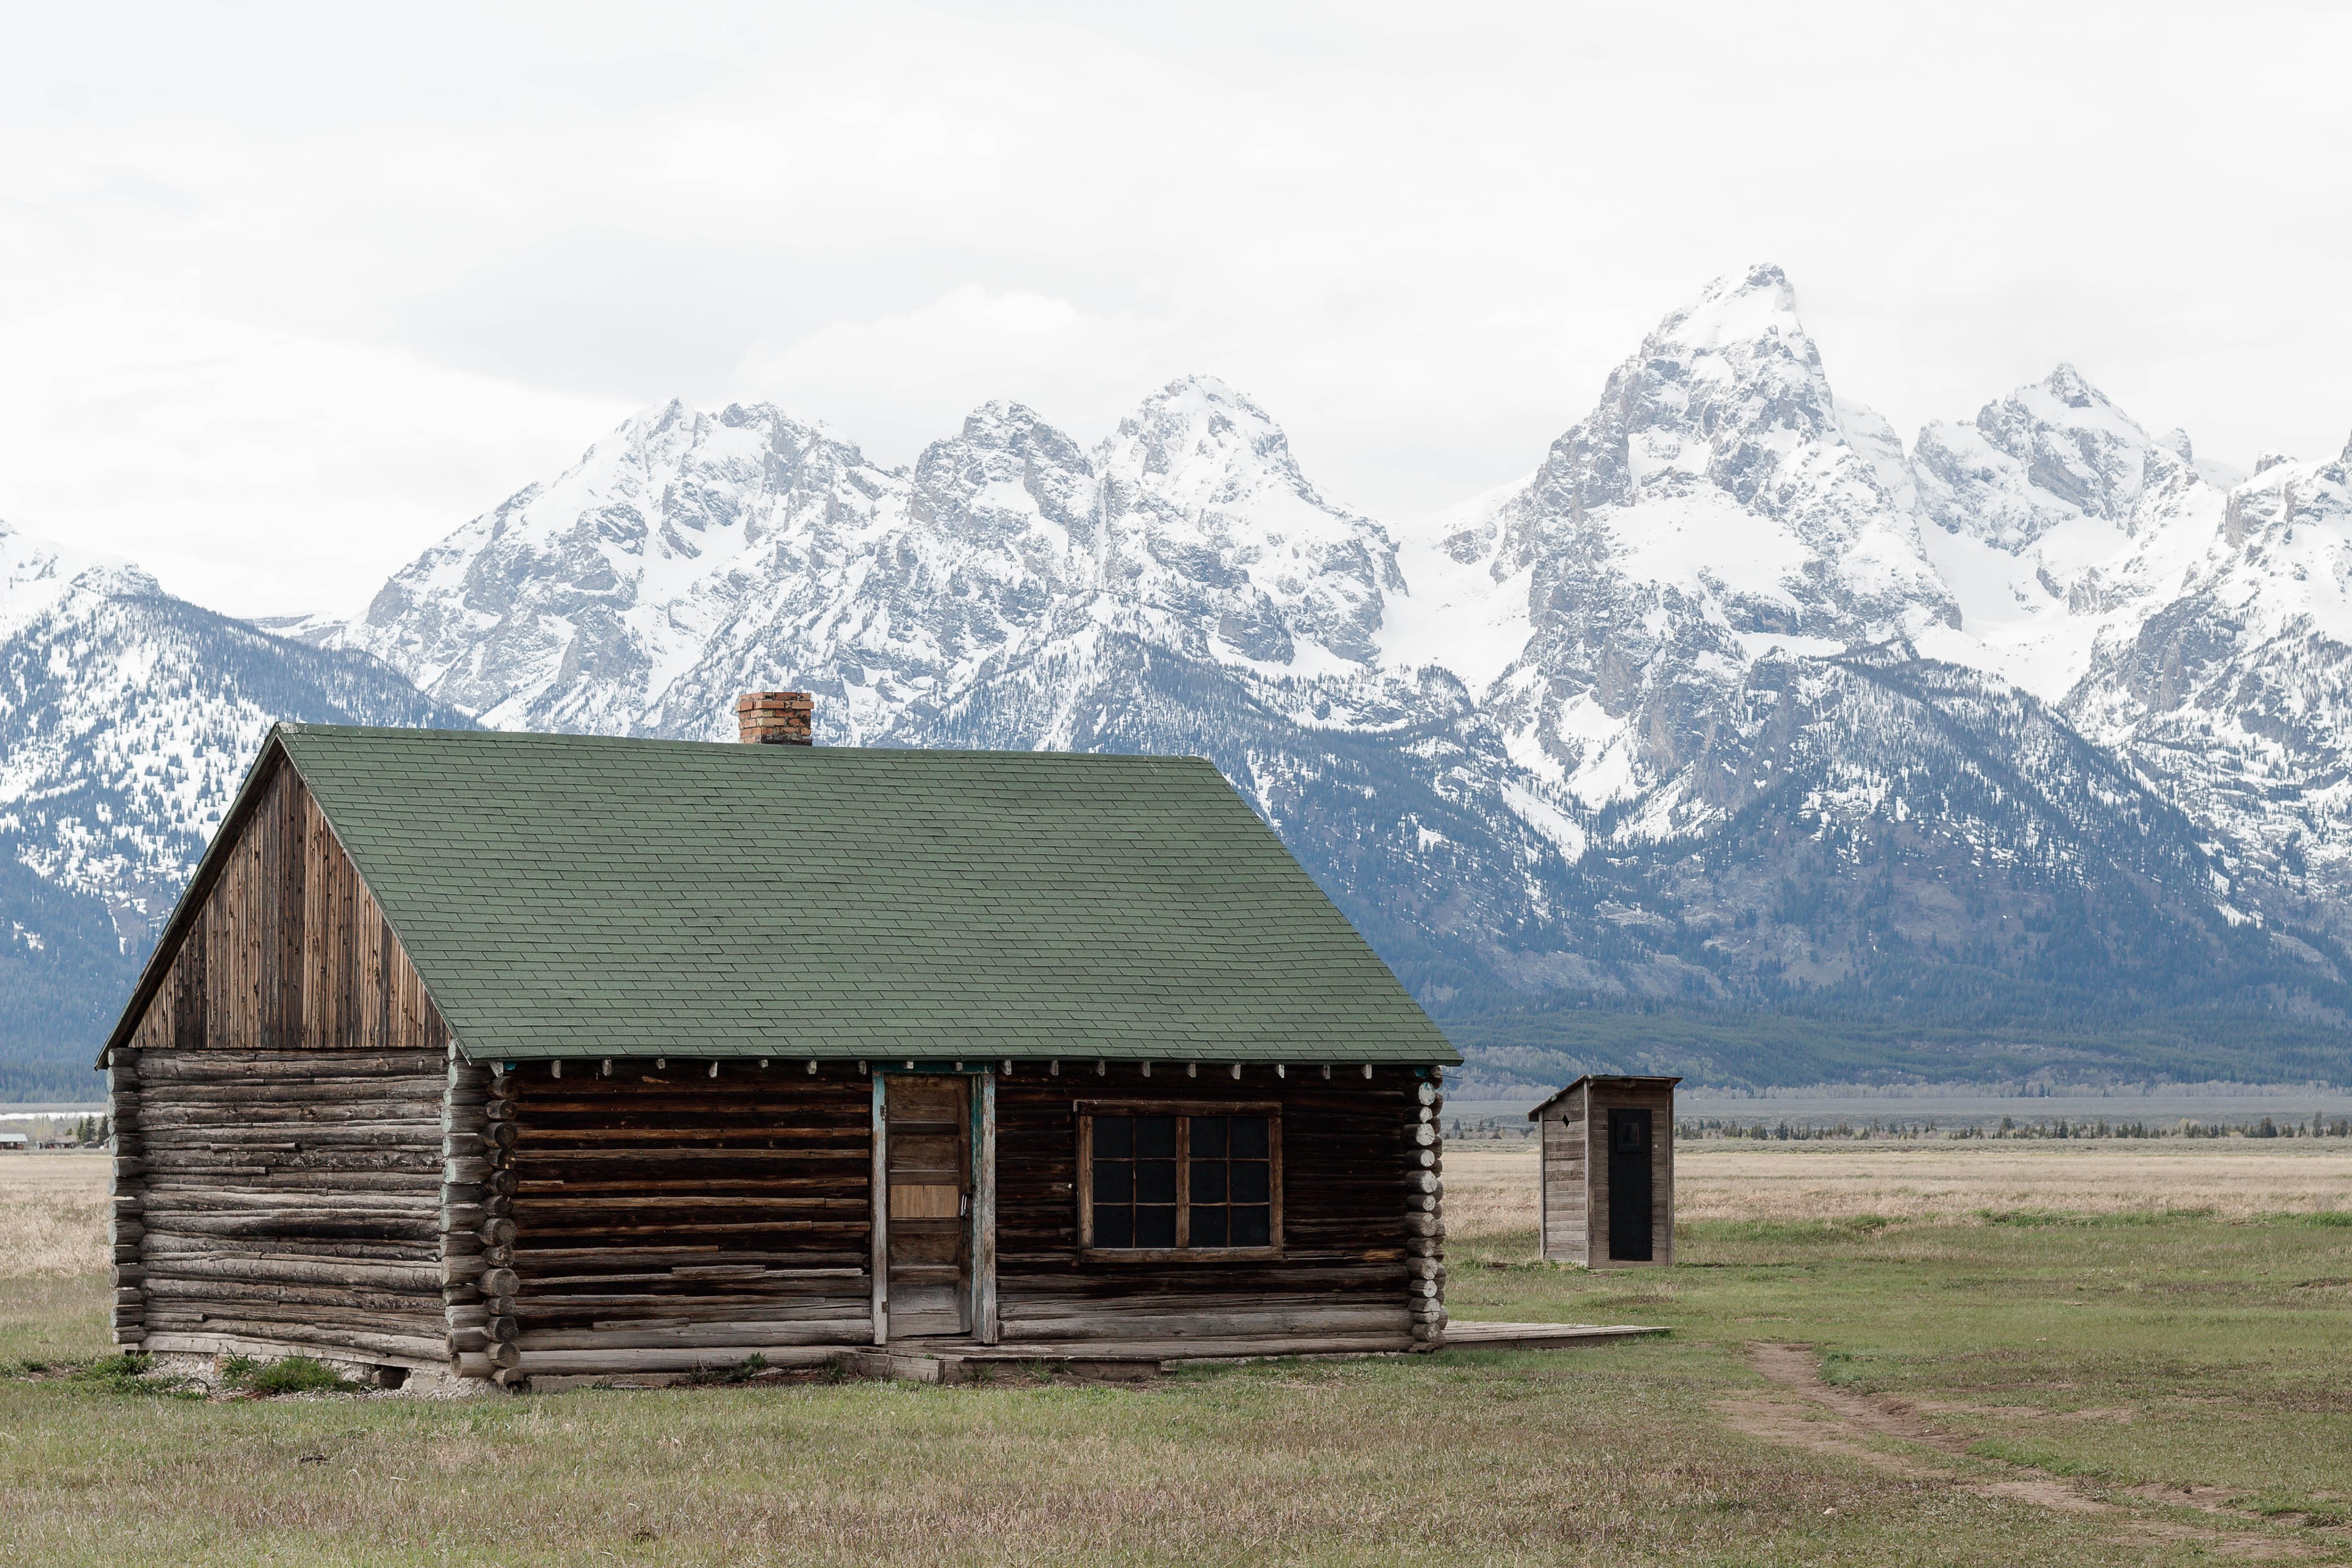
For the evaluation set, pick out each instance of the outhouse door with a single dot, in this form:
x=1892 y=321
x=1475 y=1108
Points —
x=928 y=1232
x=1629 y=1186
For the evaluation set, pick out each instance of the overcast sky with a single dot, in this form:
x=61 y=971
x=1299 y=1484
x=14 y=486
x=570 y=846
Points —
x=286 y=294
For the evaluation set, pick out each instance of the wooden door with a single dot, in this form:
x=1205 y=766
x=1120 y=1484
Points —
x=1629 y=1186
x=928 y=1145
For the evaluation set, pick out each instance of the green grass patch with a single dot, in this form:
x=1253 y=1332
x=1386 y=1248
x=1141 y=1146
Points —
x=132 y=1374
x=291 y=1374
x=2041 y=1457
x=2324 y=1513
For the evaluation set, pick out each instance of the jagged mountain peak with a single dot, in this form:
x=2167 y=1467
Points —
x=1215 y=522
x=1736 y=309
x=2065 y=400
x=1201 y=450
x=1199 y=443
x=2059 y=522
x=1008 y=473
x=1727 y=400
x=2048 y=452
x=1003 y=422
x=1718 y=503
x=2071 y=387
x=35 y=572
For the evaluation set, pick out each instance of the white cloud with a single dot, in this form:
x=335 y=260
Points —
x=252 y=470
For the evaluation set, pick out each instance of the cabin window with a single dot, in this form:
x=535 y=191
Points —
x=1163 y=1180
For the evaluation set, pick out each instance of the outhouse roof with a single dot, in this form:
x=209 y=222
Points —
x=1617 y=1080
x=584 y=896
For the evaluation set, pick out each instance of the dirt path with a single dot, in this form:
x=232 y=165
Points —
x=1804 y=1412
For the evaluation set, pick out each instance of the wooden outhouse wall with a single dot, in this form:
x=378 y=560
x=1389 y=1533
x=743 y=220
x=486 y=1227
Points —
x=1567 y=1219
x=1362 y=1226
x=278 y=1165
x=665 y=1218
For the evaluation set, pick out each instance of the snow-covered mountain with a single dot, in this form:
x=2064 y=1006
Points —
x=1182 y=587
x=636 y=592
x=127 y=719
x=1734 y=702
x=1717 y=505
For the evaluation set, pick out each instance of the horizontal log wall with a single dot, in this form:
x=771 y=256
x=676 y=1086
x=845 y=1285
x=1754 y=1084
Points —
x=1353 y=1172
x=285 y=1197
x=287 y=949
x=665 y=1209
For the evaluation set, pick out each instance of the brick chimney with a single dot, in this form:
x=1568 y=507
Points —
x=779 y=718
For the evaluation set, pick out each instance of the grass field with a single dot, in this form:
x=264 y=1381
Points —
x=2013 y=1354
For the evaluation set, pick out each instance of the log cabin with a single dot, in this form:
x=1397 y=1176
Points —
x=513 y=1057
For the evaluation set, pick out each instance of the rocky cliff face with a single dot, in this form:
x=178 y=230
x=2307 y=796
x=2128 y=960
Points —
x=1717 y=505
x=2234 y=694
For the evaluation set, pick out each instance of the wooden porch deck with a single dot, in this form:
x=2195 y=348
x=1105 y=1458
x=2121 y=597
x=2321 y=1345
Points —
x=1460 y=1335
x=946 y=1359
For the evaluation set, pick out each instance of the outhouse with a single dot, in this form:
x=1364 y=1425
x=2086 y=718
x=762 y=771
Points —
x=1608 y=1173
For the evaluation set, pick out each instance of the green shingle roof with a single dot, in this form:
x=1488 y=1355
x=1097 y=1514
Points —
x=581 y=896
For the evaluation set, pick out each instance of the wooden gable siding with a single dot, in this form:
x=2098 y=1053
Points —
x=287 y=949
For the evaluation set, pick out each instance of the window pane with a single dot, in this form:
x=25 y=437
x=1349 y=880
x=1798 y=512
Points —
x=1208 y=1182
x=1114 y=1182
x=1155 y=1181
x=1135 y=1189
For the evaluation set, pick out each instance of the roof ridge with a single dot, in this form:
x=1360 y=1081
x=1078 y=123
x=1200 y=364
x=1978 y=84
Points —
x=496 y=737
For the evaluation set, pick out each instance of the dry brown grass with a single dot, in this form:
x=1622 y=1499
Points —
x=52 y=1214
x=1490 y=1193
